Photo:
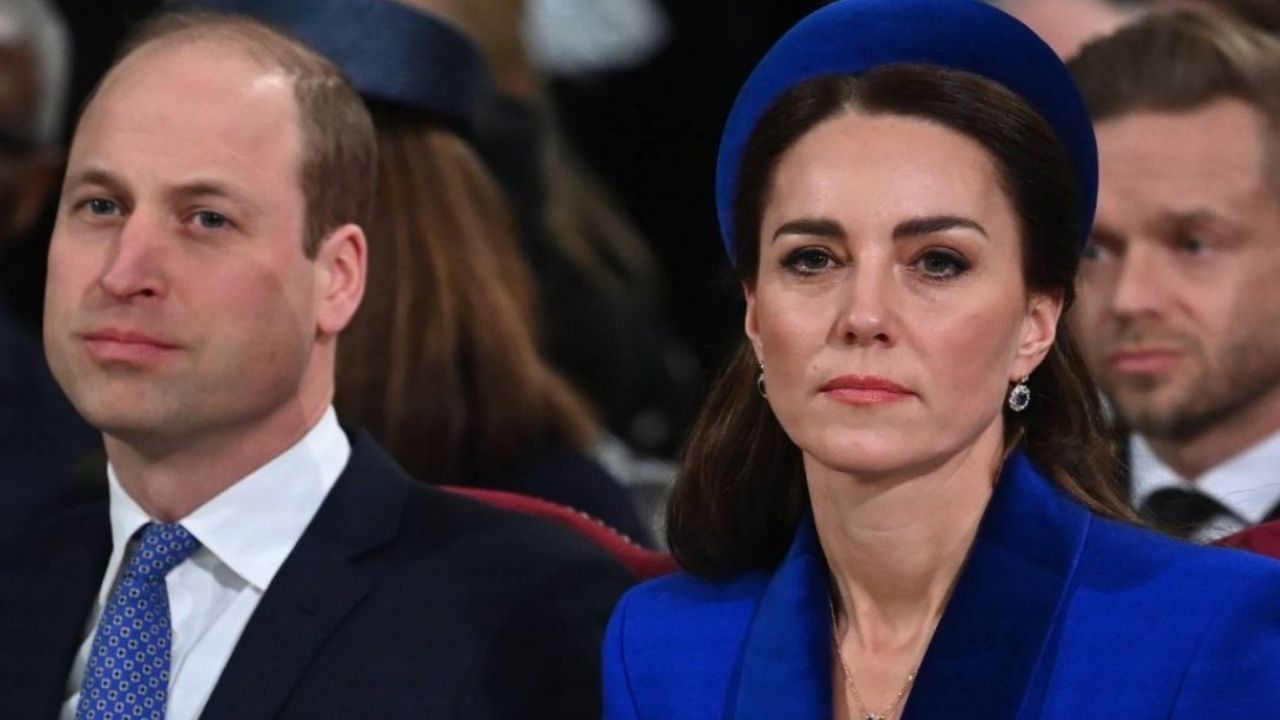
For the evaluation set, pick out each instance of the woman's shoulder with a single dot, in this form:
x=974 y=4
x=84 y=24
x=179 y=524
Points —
x=1187 y=578
x=683 y=599
x=1144 y=549
x=1158 y=612
x=672 y=643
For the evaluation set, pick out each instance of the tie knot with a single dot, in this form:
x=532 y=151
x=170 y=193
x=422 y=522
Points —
x=160 y=549
x=1181 y=511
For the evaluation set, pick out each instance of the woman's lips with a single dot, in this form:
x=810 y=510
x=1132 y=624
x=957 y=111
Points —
x=865 y=390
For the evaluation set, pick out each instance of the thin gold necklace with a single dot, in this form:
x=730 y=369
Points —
x=853 y=686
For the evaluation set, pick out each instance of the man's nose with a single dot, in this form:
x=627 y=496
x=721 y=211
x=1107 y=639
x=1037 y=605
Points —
x=1141 y=286
x=133 y=267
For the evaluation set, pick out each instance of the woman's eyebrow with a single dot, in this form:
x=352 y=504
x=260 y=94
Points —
x=916 y=227
x=819 y=227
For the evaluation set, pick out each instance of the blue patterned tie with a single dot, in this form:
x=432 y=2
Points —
x=127 y=675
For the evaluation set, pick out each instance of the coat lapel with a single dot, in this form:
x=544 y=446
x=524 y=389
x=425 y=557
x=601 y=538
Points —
x=44 y=610
x=983 y=658
x=786 y=660
x=315 y=590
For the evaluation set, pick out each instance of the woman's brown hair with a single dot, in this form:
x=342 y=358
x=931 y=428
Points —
x=442 y=362
x=740 y=492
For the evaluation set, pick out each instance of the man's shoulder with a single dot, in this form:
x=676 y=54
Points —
x=481 y=538
x=442 y=531
x=71 y=527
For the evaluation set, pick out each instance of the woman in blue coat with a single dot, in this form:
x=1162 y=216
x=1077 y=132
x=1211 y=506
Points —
x=898 y=501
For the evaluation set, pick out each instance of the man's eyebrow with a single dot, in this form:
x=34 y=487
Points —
x=96 y=176
x=818 y=227
x=1195 y=215
x=931 y=224
x=211 y=188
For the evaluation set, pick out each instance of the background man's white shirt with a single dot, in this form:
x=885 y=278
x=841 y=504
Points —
x=1247 y=485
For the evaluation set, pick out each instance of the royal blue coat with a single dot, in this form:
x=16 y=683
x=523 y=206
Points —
x=1058 y=614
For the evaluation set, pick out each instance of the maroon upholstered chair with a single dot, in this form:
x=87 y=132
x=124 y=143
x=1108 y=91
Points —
x=1263 y=539
x=642 y=562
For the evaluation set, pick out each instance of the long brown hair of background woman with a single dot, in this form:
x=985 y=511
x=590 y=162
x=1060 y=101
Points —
x=442 y=362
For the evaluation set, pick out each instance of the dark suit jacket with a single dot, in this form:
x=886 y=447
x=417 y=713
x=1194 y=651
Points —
x=43 y=442
x=1121 y=439
x=1057 y=615
x=399 y=601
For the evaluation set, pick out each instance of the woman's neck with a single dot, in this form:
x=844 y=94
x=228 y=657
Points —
x=894 y=545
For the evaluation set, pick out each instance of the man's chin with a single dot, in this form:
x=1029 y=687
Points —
x=1158 y=410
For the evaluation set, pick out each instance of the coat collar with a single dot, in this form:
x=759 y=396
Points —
x=983 y=658
x=316 y=588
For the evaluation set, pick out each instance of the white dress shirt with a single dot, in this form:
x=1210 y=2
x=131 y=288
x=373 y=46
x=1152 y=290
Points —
x=245 y=534
x=1247 y=485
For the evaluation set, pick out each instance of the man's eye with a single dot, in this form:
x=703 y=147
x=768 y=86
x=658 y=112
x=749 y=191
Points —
x=1192 y=245
x=102 y=206
x=210 y=220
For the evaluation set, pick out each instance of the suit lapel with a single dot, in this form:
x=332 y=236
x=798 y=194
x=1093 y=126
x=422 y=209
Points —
x=785 y=668
x=315 y=590
x=44 y=610
x=984 y=657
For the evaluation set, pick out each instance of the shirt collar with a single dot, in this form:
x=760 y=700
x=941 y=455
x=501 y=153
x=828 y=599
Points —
x=253 y=525
x=1248 y=484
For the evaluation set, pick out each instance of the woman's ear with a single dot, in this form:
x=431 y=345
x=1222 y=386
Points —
x=1039 y=330
x=750 y=324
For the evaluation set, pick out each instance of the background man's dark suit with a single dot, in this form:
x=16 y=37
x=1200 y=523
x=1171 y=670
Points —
x=43 y=443
x=399 y=601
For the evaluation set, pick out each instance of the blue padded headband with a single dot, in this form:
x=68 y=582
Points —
x=853 y=36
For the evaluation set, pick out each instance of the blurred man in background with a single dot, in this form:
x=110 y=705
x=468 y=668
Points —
x=42 y=440
x=1066 y=25
x=1179 y=300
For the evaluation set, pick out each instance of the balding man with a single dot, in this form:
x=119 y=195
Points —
x=255 y=559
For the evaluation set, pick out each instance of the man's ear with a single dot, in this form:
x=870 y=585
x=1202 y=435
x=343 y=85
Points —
x=342 y=264
x=1039 y=330
x=750 y=322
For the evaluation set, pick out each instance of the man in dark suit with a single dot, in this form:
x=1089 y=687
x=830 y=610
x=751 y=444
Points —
x=255 y=560
x=1179 y=304
x=42 y=440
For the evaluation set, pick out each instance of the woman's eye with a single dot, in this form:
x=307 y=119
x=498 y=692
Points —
x=102 y=206
x=942 y=264
x=808 y=260
x=210 y=220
